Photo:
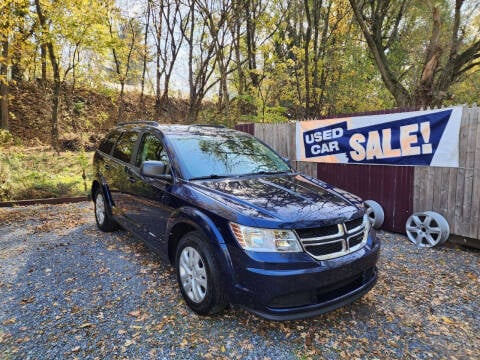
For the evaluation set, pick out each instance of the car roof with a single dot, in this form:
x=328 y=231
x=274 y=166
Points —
x=177 y=129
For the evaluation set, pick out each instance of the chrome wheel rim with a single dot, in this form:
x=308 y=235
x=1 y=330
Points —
x=371 y=215
x=427 y=229
x=100 y=209
x=193 y=274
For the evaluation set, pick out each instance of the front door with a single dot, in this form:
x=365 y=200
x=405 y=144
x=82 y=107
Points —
x=147 y=207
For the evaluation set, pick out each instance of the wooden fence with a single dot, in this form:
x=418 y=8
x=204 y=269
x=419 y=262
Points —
x=455 y=192
x=452 y=192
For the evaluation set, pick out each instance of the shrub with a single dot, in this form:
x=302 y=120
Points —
x=71 y=142
x=6 y=138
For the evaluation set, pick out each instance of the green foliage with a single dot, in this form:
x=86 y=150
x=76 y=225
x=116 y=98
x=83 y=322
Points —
x=273 y=114
x=6 y=137
x=212 y=117
x=466 y=91
x=40 y=173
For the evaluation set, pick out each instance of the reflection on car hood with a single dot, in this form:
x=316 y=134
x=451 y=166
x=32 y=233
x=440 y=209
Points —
x=286 y=198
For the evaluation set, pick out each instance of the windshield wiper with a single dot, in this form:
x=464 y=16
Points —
x=211 y=176
x=263 y=172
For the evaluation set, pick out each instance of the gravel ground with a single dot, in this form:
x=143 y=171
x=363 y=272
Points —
x=69 y=291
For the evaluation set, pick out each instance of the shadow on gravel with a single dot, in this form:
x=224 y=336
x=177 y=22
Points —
x=82 y=293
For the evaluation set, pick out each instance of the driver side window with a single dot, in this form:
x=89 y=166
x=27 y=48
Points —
x=151 y=148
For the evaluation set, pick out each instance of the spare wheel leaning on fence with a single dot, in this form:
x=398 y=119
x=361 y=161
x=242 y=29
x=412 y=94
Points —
x=375 y=213
x=427 y=229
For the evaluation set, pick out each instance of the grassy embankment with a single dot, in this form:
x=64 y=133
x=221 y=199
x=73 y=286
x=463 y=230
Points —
x=35 y=173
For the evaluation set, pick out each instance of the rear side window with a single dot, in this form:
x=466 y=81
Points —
x=107 y=144
x=125 y=145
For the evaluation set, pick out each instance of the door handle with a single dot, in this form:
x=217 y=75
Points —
x=132 y=179
x=107 y=167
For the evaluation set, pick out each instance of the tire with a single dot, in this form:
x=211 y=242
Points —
x=102 y=216
x=198 y=275
x=375 y=213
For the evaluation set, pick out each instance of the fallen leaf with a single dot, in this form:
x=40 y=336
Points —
x=135 y=313
x=10 y=321
x=447 y=320
x=85 y=325
x=128 y=343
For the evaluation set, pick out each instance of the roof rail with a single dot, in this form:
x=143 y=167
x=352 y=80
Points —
x=208 y=125
x=138 y=122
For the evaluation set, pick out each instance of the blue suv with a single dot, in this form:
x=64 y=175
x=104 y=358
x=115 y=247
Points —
x=239 y=225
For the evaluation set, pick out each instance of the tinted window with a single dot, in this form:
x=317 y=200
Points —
x=227 y=154
x=124 y=148
x=151 y=149
x=107 y=144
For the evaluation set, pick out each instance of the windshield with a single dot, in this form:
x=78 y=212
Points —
x=224 y=155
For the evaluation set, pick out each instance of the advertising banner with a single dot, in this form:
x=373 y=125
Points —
x=423 y=138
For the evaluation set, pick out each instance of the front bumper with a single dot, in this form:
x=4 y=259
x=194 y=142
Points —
x=305 y=291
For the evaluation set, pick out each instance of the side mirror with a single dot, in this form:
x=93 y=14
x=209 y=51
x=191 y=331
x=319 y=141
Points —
x=155 y=169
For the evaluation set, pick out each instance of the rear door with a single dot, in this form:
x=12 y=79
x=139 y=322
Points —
x=103 y=157
x=120 y=170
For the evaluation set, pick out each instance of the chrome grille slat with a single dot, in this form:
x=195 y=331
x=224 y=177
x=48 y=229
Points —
x=327 y=247
x=339 y=233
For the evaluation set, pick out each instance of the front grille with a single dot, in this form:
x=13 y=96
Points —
x=353 y=224
x=332 y=241
x=355 y=240
x=325 y=249
x=318 y=232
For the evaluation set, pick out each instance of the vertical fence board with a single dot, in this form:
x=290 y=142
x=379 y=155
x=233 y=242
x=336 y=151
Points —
x=469 y=205
x=419 y=188
x=460 y=225
x=475 y=226
x=451 y=199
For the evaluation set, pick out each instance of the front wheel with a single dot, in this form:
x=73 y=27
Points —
x=102 y=217
x=198 y=275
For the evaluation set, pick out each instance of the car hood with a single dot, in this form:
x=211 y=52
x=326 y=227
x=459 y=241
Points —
x=291 y=200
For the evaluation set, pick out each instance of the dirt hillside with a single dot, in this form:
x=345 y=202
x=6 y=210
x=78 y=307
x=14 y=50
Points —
x=85 y=115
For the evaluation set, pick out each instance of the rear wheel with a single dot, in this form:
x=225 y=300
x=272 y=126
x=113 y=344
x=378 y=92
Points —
x=198 y=275
x=104 y=220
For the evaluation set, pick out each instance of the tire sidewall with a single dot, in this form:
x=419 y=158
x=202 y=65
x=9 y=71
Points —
x=108 y=224
x=97 y=194
x=213 y=300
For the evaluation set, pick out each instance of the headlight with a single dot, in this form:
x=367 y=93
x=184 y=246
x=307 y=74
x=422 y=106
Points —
x=265 y=240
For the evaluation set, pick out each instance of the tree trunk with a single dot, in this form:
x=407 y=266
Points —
x=56 y=80
x=192 y=113
x=306 y=53
x=374 y=42
x=165 y=94
x=158 y=76
x=145 y=44
x=55 y=107
x=43 y=61
x=424 y=93
x=121 y=104
x=251 y=42
x=4 y=88
x=237 y=44
x=158 y=71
